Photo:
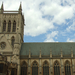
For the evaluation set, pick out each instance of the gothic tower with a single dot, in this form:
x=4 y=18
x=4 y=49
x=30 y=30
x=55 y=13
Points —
x=11 y=33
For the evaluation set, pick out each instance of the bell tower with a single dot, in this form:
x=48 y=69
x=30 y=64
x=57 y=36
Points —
x=11 y=35
x=12 y=25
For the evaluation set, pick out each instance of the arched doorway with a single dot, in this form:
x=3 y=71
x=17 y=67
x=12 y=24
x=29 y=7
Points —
x=45 y=68
x=34 y=68
x=56 y=68
x=24 y=68
x=67 y=68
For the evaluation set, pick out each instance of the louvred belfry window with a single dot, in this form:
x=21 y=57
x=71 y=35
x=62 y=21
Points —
x=9 y=26
x=67 y=68
x=4 y=26
x=34 y=68
x=56 y=68
x=14 y=26
x=24 y=69
x=45 y=68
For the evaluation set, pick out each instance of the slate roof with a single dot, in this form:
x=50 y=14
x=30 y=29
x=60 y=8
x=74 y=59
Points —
x=45 y=48
x=0 y=10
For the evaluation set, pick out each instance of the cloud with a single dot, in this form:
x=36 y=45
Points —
x=49 y=37
x=71 y=27
x=57 y=11
x=70 y=40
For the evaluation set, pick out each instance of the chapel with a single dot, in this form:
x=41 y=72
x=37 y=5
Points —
x=20 y=58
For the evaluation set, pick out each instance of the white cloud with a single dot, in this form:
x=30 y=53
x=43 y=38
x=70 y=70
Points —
x=33 y=12
x=59 y=12
x=51 y=36
x=71 y=27
x=70 y=40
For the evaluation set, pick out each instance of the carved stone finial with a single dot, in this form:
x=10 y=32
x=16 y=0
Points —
x=2 y=9
x=50 y=52
x=61 y=52
x=71 y=52
x=40 y=53
x=2 y=6
x=20 y=8
x=29 y=54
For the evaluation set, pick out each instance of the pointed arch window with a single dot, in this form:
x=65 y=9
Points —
x=9 y=26
x=24 y=69
x=14 y=26
x=13 y=71
x=4 y=26
x=35 y=68
x=67 y=68
x=45 y=68
x=12 y=41
x=56 y=68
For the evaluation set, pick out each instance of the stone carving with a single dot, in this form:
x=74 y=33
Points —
x=14 y=59
x=16 y=51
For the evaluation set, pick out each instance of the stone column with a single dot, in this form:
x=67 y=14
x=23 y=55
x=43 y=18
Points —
x=18 y=69
x=9 y=72
x=40 y=67
x=62 y=67
x=51 y=67
x=0 y=25
x=11 y=26
x=29 y=68
x=73 y=67
x=6 y=26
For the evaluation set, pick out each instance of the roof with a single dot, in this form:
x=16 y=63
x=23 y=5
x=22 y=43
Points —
x=45 y=48
x=0 y=10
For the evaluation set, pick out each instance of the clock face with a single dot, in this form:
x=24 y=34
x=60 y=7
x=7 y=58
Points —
x=3 y=45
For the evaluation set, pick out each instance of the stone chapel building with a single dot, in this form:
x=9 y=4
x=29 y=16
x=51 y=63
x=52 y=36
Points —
x=19 y=58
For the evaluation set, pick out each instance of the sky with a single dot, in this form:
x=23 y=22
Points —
x=46 y=20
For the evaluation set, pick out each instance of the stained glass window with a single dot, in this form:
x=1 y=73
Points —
x=45 y=68
x=9 y=26
x=4 y=26
x=24 y=69
x=67 y=68
x=14 y=26
x=56 y=68
x=34 y=69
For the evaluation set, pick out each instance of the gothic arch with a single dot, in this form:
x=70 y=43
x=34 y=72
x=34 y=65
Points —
x=33 y=62
x=67 y=61
x=4 y=25
x=44 y=62
x=56 y=68
x=55 y=62
x=23 y=63
x=67 y=68
x=24 y=68
x=9 y=26
x=45 y=68
x=35 y=68
x=14 y=26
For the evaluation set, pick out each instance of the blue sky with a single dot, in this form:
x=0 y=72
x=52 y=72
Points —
x=46 y=20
